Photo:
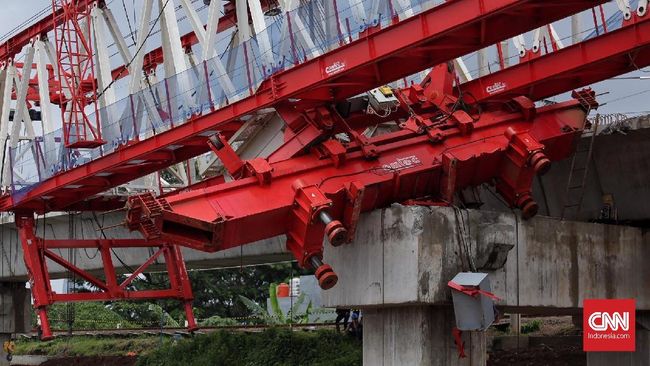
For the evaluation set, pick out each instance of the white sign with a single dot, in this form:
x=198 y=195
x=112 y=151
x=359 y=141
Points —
x=335 y=68
x=496 y=87
x=403 y=163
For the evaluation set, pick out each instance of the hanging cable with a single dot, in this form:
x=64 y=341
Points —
x=463 y=236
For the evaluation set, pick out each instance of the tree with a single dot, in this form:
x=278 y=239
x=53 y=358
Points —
x=85 y=315
x=216 y=292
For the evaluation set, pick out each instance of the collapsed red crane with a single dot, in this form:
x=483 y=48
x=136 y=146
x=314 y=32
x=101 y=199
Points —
x=440 y=149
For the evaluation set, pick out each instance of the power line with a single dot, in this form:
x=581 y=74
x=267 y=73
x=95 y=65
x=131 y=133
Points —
x=627 y=96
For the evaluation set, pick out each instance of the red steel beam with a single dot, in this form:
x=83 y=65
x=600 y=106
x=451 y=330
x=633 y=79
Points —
x=435 y=36
x=98 y=243
x=15 y=44
x=105 y=296
x=615 y=53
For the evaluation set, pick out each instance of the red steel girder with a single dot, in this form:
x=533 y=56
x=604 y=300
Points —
x=14 y=45
x=457 y=27
x=610 y=54
x=322 y=193
x=153 y=58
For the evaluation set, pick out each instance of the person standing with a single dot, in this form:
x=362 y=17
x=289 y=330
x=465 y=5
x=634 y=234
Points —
x=342 y=314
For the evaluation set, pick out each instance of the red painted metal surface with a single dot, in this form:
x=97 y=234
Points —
x=37 y=252
x=228 y=20
x=152 y=59
x=438 y=151
x=380 y=57
x=614 y=53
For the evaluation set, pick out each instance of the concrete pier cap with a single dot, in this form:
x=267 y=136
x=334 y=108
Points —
x=398 y=267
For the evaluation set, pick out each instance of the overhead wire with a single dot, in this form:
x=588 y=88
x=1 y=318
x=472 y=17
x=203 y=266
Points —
x=132 y=33
x=627 y=97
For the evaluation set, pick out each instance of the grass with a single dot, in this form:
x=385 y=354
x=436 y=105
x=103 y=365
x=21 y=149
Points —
x=88 y=346
x=272 y=347
x=531 y=326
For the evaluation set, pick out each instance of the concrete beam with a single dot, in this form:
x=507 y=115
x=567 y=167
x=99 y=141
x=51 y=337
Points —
x=398 y=267
x=259 y=142
x=406 y=255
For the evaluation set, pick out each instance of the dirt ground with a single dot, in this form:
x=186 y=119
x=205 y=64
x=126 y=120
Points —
x=542 y=355
x=539 y=356
x=91 y=361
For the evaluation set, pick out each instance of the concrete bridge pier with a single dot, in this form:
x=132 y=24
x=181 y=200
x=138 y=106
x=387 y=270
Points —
x=397 y=269
x=417 y=335
x=15 y=313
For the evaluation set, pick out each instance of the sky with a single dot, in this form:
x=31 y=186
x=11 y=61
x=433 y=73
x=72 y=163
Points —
x=624 y=95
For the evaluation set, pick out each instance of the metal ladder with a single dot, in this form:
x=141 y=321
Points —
x=579 y=168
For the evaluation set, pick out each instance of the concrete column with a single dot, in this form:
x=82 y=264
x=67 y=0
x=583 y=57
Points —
x=3 y=356
x=639 y=358
x=417 y=335
x=15 y=313
x=515 y=323
x=15 y=308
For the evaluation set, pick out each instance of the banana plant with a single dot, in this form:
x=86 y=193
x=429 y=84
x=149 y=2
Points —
x=274 y=315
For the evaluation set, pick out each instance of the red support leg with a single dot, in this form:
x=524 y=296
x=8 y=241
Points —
x=46 y=332
x=180 y=281
x=36 y=267
x=36 y=252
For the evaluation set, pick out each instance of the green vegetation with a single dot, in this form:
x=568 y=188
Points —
x=217 y=293
x=221 y=297
x=531 y=326
x=90 y=315
x=278 y=347
x=274 y=315
x=117 y=315
x=88 y=346
x=275 y=346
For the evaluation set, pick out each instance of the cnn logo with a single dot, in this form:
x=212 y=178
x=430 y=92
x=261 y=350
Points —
x=602 y=321
x=609 y=325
